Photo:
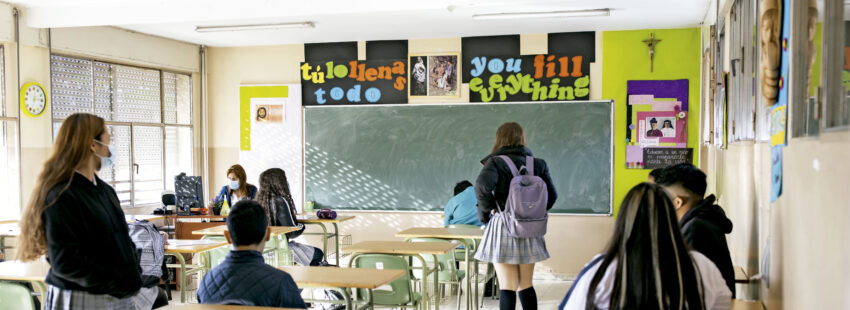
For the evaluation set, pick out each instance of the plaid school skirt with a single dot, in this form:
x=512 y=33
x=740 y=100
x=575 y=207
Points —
x=58 y=298
x=499 y=247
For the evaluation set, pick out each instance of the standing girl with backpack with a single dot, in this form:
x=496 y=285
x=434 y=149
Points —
x=514 y=192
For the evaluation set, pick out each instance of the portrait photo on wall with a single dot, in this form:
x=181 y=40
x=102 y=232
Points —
x=418 y=75
x=664 y=126
x=268 y=113
x=434 y=75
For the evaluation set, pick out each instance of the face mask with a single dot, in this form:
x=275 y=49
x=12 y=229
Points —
x=106 y=162
x=234 y=185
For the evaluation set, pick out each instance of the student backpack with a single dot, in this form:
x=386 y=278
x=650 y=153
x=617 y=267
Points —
x=525 y=209
x=150 y=243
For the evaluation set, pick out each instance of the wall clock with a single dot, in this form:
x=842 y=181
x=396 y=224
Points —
x=33 y=99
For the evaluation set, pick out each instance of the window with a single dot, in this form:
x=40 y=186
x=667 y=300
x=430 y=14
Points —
x=741 y=92
x=148 y=113
x=9 y=152
x=836 y=67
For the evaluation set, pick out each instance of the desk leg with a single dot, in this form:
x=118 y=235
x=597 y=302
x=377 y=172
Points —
x=436 y=272
x=369 y=303
x=336 y=240
x=182 y=275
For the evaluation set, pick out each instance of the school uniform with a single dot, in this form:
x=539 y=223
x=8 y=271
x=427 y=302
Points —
x=715 y=294
x=281 y=214
x=93 y=261
x=462 y=209
x=245 y=278
x=704 y=229
x=491 y=189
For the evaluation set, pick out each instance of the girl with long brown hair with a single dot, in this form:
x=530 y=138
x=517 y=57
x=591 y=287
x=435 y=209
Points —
x=75 y=218
x=513 y=257
x=276 y=199
x=237 y=187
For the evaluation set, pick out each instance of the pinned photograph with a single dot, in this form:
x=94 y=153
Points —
x=418 y=75
x=264 y=113
x=662 y=126
x=434 y=75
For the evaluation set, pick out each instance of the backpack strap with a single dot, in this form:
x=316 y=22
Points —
x=507 y=160
x=529 y=165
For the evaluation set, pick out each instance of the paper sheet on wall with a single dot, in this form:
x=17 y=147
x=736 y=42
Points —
x=276 y=144
x=641 y=99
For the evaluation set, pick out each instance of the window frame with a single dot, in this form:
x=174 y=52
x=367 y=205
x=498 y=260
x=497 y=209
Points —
x=833 y=65
x=14 y=121
x=162 y=124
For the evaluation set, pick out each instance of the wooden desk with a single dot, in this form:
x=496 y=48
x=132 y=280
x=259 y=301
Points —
x=314 y=220
x=183 y=228
x=741 y=275
x=341 y=278
x=401 y=247
x=738 y=304
x=410 y=249
x=142 y=217
x=454 y=234
x=34 y=272
x=8 y=230
x=278 y=237
x=219 y=230
x=178 y=247
x=442 y=233
x=217 y=307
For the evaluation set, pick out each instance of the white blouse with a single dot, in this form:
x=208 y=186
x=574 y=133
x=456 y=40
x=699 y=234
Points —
x=716 y=295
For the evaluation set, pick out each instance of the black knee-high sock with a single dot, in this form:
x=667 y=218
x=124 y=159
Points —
x=507 y=300
x=528 y=299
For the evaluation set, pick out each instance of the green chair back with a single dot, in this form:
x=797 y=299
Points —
x=215 y=256
x=402 y=291
x=448 y=268
x=14 y=296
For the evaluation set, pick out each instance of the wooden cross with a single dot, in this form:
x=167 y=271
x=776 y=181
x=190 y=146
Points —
x=651 y=42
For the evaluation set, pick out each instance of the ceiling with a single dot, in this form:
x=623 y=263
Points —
x=350 y=20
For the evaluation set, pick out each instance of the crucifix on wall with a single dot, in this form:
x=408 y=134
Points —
x=651 y=42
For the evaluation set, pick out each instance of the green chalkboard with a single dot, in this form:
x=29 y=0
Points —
x=409 y=157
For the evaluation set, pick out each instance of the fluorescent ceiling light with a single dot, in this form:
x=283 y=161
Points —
x=254 y=27
x=552 y=14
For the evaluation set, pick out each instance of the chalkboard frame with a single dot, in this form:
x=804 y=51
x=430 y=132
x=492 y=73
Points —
x=611 y=103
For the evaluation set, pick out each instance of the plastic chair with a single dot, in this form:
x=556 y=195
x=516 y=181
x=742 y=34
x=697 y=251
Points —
x=447 y=264
x=402 y=291
x=15 y=296
x=217 y=255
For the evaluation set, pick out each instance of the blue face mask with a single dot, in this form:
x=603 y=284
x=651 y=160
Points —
x=106 y=162
x=234 y=185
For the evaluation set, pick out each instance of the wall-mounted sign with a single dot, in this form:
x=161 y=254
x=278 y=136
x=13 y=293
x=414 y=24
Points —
x=662 y=157
x=529 y=78
x=354 y=82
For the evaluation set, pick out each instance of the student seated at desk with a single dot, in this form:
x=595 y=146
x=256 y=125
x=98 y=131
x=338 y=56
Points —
x=244 y=277
x=276 y=200
x=238 y=188
x=659 y=272
x=463 y=207
x=704 y=224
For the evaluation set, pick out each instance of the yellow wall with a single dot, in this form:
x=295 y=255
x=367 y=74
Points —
x=572 y=240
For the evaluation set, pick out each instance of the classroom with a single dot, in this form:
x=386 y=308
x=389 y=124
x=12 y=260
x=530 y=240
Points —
x=451 y=154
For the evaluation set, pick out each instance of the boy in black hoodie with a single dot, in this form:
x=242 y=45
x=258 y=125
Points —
x=704 y=224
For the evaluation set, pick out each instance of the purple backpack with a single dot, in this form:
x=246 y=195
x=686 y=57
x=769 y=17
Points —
x=525 y=209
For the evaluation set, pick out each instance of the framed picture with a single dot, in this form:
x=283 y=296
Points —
x=660 y=127
x=434 y=75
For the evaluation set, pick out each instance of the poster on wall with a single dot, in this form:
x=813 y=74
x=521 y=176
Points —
x=434 y=75
x=529 y=78
x=656 y=124
x=354 y=82
x=275 y=140
x=779 y=113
